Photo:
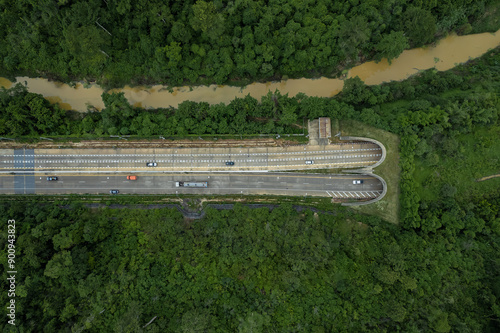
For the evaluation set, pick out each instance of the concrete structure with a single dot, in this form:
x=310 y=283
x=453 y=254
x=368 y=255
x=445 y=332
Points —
x=325 y=128
x=24 y=171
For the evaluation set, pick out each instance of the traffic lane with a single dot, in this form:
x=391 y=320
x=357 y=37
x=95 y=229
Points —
x=283 y=184
x=151 y=154
x=229 y=152
x=198 y=158
x=327 y=183
x=193 y=158
x=41 y=155
x=17 y=183
x=207 y=162
x=326 y=159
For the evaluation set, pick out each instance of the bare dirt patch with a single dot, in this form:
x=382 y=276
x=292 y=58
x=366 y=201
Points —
x=487 y=177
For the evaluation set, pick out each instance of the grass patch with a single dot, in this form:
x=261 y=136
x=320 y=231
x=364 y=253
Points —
x=477 y=156
x=324 y=204
x=388 y=207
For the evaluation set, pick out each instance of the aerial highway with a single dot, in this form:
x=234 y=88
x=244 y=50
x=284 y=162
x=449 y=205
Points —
x=294 y=184
x=345 y=155
x=233 y=170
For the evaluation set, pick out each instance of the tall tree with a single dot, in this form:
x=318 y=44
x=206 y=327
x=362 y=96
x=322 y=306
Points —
x=392 y=45
x=419 y=25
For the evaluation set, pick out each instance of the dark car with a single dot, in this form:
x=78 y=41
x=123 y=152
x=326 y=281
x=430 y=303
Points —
x=52 y=178
x=114 y=192
x=151 y=164
x=230 y=163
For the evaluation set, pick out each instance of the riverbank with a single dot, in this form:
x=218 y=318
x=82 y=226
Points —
x=446 y=54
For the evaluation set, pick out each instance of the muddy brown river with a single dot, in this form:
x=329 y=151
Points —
x=447 y=53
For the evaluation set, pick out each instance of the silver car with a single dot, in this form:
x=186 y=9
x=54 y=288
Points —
x=151 y=164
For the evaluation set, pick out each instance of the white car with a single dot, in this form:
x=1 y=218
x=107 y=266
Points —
x=151 y=164
x=309 y=162
x=357 y=182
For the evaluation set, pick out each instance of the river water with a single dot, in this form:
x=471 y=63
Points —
x=448 y=52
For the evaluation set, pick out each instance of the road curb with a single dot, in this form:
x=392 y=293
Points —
x=368 y=170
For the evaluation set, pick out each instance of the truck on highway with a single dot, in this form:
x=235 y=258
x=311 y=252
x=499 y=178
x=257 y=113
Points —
x=191 y=184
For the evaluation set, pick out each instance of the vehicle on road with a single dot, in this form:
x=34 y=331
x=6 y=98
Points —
x=357 y=182
x=191 y=184
x=51 y=178
x=132 y=177
x=114 y=192
x=230 y=163
x=309 y=162
x=151 y=164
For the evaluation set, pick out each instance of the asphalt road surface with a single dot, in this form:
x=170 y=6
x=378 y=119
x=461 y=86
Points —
x=294 y=184
x=98 y=171
x=345 y=155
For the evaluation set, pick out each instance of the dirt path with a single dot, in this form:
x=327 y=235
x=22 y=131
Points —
x=488 y=177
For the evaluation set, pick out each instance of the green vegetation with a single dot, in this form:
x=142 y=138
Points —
x=184 y=42
x=448 y=124
x=489 y=21
x=387 y=208
x=395 y=107
x=24 y=114
x=454 y=167
x=245 y=270
x=391 y=46
x=153 y=201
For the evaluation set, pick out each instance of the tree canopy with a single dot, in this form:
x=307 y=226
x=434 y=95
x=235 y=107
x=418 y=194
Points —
x=248 y=270
x=181 y=42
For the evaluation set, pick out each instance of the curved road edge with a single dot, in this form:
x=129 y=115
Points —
x=358 y=138
x=368 y=170
x=384 y=189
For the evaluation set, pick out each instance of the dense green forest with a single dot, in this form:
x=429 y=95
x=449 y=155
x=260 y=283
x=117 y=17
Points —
x=432 y=102
x=24 y=114
x=178 y=42
x=113 y=270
